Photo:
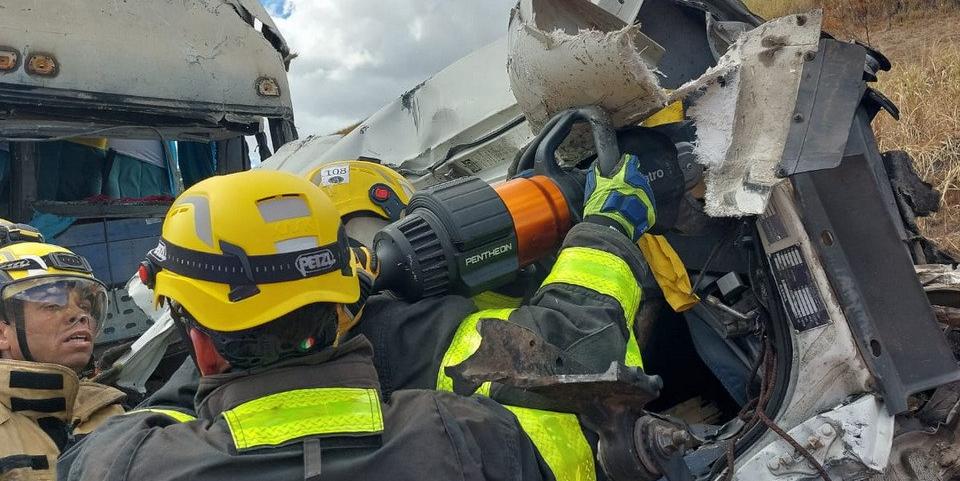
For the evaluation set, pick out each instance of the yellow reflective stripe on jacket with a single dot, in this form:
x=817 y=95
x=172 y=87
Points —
x=495 y=300
x=282 y=417
x=557 y=436
x=176 y=415
x=560 y=441
x=465 y=342
x=607 y=274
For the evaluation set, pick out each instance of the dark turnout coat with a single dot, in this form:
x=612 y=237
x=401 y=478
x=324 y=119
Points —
x=312 y=431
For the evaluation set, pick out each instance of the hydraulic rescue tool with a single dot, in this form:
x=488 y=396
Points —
x=465 y=236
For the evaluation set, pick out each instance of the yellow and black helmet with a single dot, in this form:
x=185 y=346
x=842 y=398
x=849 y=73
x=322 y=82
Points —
x=12 y=233
x=49 y=275
x=241 y=250
x=363 y=187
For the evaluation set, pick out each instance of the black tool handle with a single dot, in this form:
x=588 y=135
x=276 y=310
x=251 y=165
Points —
x=604 y=140
x=541 y=153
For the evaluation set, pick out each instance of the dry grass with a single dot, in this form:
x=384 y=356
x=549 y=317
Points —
x=927 y=91
x=842 y=14
x=922 y=39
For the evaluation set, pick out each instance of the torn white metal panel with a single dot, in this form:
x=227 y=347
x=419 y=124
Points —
x=487 y=160
x=467 y=101
x=571 y=53
x=747 y=101
x=299 y=155
x=138 y=364
x=851 y=442
x=714 y=113
x=141 y=360
x=148 y=52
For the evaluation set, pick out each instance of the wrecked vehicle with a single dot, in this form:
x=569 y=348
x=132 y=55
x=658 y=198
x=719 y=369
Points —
x=97 y=136
x=815 y=352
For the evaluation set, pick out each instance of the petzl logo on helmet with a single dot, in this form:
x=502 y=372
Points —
x=160 y=252
x=314 y=262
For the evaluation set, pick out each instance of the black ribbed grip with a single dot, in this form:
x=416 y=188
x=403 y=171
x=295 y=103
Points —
x=413 y=260
x=468 y=208
x=451 y=241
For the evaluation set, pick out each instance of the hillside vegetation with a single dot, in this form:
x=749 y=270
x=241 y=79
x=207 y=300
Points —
x=922 y=40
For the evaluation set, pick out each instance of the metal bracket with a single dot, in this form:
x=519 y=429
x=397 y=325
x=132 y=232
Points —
x=831 y=86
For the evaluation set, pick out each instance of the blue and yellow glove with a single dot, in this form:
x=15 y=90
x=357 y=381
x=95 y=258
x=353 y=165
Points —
x=623 y=201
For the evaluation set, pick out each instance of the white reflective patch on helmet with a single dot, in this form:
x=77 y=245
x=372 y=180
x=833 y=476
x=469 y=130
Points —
x=282 y=208
x=38 y=262
x=296 y=244
x=201 y=217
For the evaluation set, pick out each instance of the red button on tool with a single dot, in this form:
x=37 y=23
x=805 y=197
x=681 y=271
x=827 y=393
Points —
x=381 y=193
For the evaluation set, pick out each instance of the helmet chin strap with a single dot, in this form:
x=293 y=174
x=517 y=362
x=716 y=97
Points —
x=346 y=320
x=183 y=327
x=348 y=315
x=20 y=325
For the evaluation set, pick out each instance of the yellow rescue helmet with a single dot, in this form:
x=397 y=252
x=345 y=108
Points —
x=33 y=259
x=238 y=251
x=363 y=187
x=50 y=275
x=12 y=232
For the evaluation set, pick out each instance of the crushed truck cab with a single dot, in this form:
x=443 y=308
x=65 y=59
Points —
x=109 y=109
x=814 y=351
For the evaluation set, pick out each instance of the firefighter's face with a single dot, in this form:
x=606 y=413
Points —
x=60 y=328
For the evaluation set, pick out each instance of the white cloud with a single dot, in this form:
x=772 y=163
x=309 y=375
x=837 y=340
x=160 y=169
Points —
x=416 y=29
x=355 y=56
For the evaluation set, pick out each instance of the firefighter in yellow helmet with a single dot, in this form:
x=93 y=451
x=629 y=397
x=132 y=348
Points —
x=579 y=308
x=410 y=352
x=51 y=308
x=414 y=342
x=367 y=196
x=256 y=269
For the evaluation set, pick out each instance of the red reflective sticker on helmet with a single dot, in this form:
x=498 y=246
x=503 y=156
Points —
x=381 y=193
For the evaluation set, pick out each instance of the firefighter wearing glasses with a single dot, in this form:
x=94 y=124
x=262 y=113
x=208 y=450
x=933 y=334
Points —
x=52 y=309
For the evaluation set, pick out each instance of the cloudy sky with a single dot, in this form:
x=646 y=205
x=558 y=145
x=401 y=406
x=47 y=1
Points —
x=356 y=55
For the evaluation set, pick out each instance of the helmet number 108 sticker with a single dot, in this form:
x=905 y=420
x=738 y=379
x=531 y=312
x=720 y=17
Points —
x=339 y=174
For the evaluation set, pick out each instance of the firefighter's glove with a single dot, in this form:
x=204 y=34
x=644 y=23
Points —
x=623 y=201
